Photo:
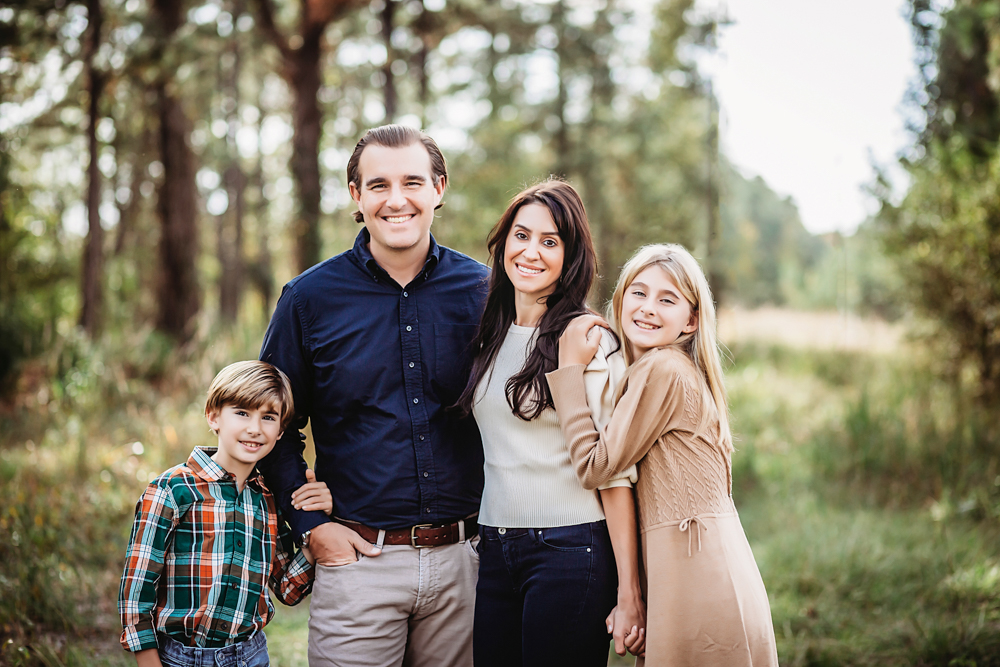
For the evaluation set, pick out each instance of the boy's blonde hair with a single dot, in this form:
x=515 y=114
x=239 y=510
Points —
x=701 y=345
x=252 y=385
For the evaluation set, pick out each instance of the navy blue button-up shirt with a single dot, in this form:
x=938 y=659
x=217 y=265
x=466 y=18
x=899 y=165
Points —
x=373 y=366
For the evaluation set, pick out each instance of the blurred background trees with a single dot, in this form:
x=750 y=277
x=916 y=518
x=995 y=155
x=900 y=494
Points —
x=166 y=166
x=175 y=158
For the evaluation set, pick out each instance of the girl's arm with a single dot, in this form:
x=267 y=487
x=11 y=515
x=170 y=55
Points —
x=630 y=613
x=653 y=401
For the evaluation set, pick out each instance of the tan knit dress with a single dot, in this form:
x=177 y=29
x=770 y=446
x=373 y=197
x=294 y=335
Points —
x=706 y=603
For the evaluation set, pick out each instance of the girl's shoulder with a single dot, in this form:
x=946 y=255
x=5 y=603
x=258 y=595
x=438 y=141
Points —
x=664 y=364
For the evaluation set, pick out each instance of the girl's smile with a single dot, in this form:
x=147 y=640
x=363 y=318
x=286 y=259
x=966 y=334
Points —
x=654 y=313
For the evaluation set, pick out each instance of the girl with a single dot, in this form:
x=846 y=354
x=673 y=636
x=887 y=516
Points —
x=547 y=575
x=706 y=601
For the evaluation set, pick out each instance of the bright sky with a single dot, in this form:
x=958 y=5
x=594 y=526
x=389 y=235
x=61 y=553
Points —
x=809 y=91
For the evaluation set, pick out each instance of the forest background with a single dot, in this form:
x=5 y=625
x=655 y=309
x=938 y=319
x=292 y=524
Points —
x=165 y=166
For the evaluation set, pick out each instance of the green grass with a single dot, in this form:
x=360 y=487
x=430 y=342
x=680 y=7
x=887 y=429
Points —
x=870 y=499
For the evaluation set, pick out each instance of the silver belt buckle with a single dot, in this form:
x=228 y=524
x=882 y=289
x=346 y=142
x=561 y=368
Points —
x=413 y=536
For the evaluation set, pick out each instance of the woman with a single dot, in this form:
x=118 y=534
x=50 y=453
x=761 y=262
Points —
x=706 y=601
x=547 y=575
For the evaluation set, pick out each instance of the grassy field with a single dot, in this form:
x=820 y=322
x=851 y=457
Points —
x=870 y=500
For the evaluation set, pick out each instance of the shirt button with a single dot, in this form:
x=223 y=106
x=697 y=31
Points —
x=411 y=364
x=405 y=294
x=421 y=437
x=427 y=510
x=416 y=400
x=239 y=543
x=427 y=474
x=409 y=328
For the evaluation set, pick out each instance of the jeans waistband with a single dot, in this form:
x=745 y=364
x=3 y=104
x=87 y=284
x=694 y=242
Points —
x=500 y=532
x=192 y=656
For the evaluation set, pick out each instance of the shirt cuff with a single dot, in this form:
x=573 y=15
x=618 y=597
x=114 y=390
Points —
x=139 y=637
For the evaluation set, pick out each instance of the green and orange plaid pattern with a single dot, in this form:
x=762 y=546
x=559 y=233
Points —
x=200 y=555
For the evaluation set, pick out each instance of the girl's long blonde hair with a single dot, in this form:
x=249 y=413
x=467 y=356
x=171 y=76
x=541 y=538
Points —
x=700 y=345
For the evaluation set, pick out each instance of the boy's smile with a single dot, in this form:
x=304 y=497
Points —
x=246 y=435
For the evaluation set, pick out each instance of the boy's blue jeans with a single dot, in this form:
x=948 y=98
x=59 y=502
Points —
x=251 y=653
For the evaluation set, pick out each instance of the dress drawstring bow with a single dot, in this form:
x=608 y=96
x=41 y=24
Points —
x=685 y=525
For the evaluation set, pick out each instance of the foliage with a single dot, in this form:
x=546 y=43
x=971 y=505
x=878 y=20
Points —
x=867 y=561
x=945 y=234
x=765 y=254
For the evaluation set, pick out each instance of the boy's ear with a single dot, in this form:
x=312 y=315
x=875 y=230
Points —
x=212 y=417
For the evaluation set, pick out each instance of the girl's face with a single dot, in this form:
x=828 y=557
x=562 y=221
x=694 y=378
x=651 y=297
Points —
x=654 y=313
x=533 y=252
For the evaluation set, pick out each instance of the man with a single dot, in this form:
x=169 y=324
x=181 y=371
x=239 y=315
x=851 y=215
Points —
x=375 y=343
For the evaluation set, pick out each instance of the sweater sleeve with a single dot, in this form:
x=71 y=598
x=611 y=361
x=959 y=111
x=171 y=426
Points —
x=651 y=405
x=600 y=379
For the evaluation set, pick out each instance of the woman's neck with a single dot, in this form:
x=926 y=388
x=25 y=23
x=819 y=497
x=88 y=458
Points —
x=528 y=311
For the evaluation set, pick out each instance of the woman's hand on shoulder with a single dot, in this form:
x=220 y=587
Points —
x=580 y=340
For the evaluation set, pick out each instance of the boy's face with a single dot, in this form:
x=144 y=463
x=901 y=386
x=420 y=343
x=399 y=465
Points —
x=246 y=435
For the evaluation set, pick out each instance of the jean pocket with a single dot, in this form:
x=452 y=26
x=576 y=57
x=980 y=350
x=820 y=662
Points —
x=567 y=538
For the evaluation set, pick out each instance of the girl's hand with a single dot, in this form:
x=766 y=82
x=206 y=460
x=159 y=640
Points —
x=627 y=625
x=579 y=342
x=313 y=495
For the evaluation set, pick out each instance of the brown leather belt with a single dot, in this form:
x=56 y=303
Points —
x=423 y=535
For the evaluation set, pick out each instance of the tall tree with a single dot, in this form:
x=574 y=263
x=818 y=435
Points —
x=230 y=223
x=301 y=55
x=178 y=292
x=93 y=254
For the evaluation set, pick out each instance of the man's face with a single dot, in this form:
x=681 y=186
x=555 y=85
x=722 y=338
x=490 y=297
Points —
x=397 y=196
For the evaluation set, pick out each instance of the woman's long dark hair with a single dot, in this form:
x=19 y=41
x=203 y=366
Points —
x=527 y=391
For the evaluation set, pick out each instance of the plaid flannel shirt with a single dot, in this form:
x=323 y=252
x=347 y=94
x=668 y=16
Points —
x=201 y=557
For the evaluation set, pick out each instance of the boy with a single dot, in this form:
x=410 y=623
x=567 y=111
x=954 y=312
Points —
x=207 y=539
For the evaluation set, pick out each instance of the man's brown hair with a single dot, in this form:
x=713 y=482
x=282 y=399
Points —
x=252 y=385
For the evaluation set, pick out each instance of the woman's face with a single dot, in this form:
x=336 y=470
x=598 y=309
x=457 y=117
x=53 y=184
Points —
x=533 y=252
x=654 y=313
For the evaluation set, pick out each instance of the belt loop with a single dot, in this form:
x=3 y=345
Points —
x=461 y=530
x=381 y=539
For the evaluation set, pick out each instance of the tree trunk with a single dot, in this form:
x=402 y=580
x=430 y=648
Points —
x=230 y=237
x=389 y=85
x=307 y=124
x=178 y=297
x=260 y=271
x=302 y=71
x=93 y=254
x=177 y=289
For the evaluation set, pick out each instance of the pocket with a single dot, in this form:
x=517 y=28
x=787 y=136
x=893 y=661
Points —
x=472 y=545
x=567 y=538
x=333 y=568
x=452 y=358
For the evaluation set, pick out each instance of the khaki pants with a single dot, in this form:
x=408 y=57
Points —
x=408 y=606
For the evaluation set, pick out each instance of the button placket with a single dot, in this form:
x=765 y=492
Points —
x=414 y=382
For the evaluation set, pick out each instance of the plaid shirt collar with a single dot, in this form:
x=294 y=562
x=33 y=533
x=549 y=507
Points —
x=201 y=464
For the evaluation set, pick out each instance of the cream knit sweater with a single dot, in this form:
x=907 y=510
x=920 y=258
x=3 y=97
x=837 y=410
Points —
x=530 y=480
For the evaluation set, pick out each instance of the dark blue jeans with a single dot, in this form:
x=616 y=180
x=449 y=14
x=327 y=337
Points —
x=543 y=596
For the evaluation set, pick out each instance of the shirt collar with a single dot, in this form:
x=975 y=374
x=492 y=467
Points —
x=201 y=464
x=364 y=255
